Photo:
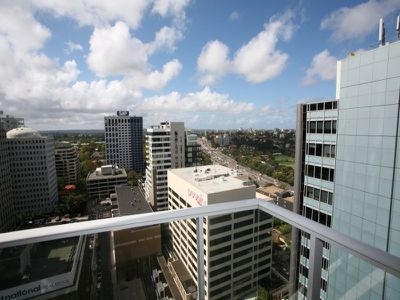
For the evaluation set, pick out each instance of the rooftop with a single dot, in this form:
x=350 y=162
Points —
x=131 y=201
x=212 y=178
x=108 y=171
x=23 y=133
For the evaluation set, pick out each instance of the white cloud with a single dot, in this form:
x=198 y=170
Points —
x=203 y=101
x=73 y=47
x=49 y=93
x=19 y=28
x=358 y=21
x=258 y=60
x=234 y=16
x=175 y=8
x=166 y=37
x=96 y=13
x=113 y=51
x=323 y=67
x=213 y=62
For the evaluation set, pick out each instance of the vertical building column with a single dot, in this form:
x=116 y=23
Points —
x=314 y=268
x=200 y=258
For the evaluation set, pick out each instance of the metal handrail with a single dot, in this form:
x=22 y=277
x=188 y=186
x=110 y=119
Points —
x=377 y=257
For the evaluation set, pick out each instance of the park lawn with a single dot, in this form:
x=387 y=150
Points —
x=284 y=160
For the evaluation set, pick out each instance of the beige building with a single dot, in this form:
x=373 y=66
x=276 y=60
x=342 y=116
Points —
x=101 y=183
x=237 y=246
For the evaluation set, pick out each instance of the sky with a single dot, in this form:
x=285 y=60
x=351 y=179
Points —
x=222 y=64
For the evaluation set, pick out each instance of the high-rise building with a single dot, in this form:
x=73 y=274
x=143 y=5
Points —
x=67 y=163
x=7 y=212
x=314 y=180
x=124 y=141
x=102 y=182
x=192 y=150
x=9 y=122
x=33 y=171
x=237 y=247
x=165 y=150
x=349 y=180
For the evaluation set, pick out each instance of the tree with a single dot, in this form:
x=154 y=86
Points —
x=133 y=177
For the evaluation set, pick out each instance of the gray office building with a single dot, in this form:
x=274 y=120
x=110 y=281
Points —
x=7 y=212
x=9 y=122
x=33 y=171
x=125 y=141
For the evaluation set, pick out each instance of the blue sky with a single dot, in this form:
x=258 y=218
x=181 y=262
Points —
x=212 y=64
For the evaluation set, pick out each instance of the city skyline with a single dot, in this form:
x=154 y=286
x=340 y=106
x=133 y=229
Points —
x=194 y=61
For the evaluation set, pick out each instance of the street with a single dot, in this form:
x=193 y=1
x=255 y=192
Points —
x=218 y=157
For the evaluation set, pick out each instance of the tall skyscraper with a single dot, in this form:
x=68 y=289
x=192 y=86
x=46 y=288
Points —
x=33 y=171
x=165 y=150
x=67 y=163
x=362 y=199
x=124 y=141
x=7 y=212
x=10 y=122
x=237 y=247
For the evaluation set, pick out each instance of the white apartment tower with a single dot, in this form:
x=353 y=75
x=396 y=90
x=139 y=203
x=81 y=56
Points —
x=237 y=246
x=165 y=150
x=33 y=171
x=124 y=141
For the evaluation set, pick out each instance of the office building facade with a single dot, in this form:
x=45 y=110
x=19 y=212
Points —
x=192 y=150
x=124 y=141
x=67 y=163
x=7 y=212
x=33 y=171
x=165 y=147
x=367 y=185
x=314 y=181
x=102 y=182
x=361 y=198
x=237 y=246
x=10 y=122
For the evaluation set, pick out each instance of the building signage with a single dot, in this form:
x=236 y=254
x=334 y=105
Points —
x=199 y=198
x=123 y=113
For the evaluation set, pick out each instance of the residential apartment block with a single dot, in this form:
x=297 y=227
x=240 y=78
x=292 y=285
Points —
x=33 y=171
x=124 y=141
x=165 y=146
x=237 y=247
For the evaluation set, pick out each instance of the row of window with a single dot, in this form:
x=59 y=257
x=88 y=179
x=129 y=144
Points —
x=318 y=172
x=328 y=127
x=317 y=194
x=322 y=106
x=317 y=216
x=323 y=150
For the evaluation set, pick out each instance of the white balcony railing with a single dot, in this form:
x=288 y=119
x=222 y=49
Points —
x=319 y=234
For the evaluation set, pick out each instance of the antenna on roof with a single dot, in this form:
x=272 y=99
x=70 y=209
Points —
x=398 y=27
x=381 y=32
